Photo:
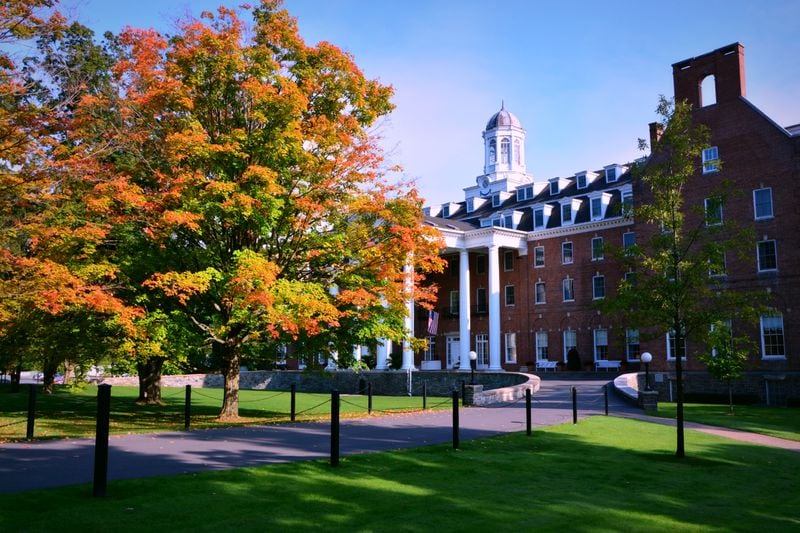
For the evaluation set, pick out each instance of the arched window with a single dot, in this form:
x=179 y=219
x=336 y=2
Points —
x=708 y=91
x=505 y=149
x=517 y=152
x=492 y=151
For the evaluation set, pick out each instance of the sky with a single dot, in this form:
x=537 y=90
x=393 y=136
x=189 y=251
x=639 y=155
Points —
x=583 y=77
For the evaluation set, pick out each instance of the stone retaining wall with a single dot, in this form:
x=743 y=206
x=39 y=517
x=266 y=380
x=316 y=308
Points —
x=767 y=388
x=498 y=386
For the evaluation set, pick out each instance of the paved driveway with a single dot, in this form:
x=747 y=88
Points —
x=27 y=466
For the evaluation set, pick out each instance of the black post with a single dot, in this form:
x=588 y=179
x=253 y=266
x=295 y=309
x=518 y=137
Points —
x=574 y=405
x=369 y=398
x=605 y=395
x=424 y=395
x=463 y=392
x=31 y=411
x=455 y=420
x=292 y=411
x=187 y=408
x=101 y=440
x=528 y=410
x=335 y=428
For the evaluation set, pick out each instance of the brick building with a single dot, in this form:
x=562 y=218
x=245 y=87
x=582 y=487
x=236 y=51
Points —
x=525 y=256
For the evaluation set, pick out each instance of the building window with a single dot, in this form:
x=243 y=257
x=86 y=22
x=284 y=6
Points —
x=611 y=175
x=627 y=204
x=480 y=300
x=566 y=213
x=508 y=221
x=517 y=152
x=767 y=256
x=454 y=303
x=508 y=261
x=762 y=203
x=445 y=211
x=713 y=211
x=538 y=218
x=632 y=348
x=600 y=344
x=525 y=193
x=538 y=256
x=541 y=346
x=580 y=180
x=539 y=294
x=671 y=347
x=566 y=253
x=554 y=188
x=505 y=148
x=509 y=295
x=480 y=264
x=628 y=240
x=430 y=349
x=482 y=349
x=710 y=160
x=772 y=343
x=717 y=266
x=492 y=151
x=511 y=347
x=452 y=265
x=568 y=289
x=596 y=205
x=598 y=287
x=452 y=345
x=496 y=200
x=630 y=278
x=597 y=248
x=570 y=342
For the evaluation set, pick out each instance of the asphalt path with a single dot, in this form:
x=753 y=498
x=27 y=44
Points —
x=46 y=464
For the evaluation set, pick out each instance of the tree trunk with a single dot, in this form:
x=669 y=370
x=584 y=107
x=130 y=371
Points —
x=230 y=399
x=149 y=373
x=730 y=395
x=48 y=376
x=16 y=377
x=679 y=449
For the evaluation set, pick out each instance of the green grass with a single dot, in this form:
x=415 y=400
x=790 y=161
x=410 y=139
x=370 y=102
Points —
x=775 y=422
x=604 y=474
x=72 y=414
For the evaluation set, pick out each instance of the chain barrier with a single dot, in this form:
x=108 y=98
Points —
x=195 y=392
x=264 y=399
x=13 y=423
x=312 y=408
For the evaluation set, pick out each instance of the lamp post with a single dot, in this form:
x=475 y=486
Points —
x=646 y=358
x=473 y=358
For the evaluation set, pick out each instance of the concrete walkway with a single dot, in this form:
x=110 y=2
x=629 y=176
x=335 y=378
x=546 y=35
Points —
x=45 y=464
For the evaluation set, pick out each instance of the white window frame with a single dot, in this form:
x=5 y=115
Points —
x=564 y=207
x=771 y=204
x=482 y=349
x=536 y=299
x=596 y=352
x=452 y=356
x=564 y=283
x=632 y=334
x=764 y=355
x=711 y=203
x=670 y=336
x=429 y=353
x=594 y=287
x=542 y=351
x=539 y=211
x=567 y=346
x=758 y=255
x=723 y=271
x=611 y=178
x=536 y=263
x=571 y=253
x=510 y=347
x=592 y=214
x=509 y=291
x=597 y=253
x=710 y=160
x=496 y=201
x=554 y=187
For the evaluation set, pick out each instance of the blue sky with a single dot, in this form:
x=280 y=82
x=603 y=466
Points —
x=583 y=77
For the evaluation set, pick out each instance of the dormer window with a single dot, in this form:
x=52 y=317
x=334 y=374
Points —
x=566 y=213
x=581 y=181
x=611 y=174
x=554 y=188
x=445 y=211
x=538 y=218
x=470 y=205
x=496 y=200
x=525 y=193
x=597 y=208
x=710 y=160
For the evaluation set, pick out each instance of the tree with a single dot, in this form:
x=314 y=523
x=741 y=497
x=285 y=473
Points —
x=727 y=358
x=677 y=287
x=244 y=156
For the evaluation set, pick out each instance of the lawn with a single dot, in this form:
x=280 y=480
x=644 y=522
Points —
x=604 y=474
x=72 y=414
x=773 y=421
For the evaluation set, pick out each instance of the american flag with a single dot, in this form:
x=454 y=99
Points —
x=433 y=322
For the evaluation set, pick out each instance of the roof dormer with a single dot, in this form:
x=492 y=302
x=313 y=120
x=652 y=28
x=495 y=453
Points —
x=613 y=172
x=584 y=178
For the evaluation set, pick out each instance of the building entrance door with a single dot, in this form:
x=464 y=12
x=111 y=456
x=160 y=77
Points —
x=453 y=351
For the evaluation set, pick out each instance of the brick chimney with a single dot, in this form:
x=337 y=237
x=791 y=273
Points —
x=656 y=129
x=726 y=64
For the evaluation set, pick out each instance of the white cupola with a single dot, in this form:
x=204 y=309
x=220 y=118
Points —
x=504 y=144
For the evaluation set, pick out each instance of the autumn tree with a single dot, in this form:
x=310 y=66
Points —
x=245 y=157
x=678 y=283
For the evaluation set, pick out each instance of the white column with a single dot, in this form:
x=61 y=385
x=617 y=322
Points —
x=408 y=353
x=357 y=352
x=463 y=310
x=494 y=308
x=381 y=358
